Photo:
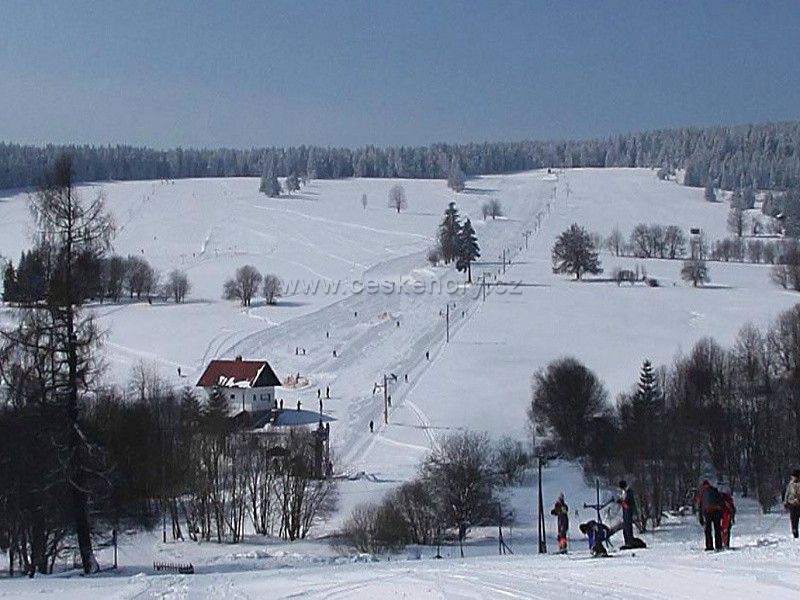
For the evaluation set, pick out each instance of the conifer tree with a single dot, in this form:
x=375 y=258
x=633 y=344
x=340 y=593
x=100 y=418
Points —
x=448 y=233
x=9 y=283
x=468 y=249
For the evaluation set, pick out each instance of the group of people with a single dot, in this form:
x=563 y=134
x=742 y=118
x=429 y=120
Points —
x=596 y=532
x=716 y=513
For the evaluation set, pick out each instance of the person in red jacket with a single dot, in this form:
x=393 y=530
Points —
x=728 y=518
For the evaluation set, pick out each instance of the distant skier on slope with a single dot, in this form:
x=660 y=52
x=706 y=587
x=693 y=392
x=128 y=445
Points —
x=561 y=512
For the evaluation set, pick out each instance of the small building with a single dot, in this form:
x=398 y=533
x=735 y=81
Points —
x=249 y=385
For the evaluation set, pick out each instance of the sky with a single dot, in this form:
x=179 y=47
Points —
x=350 y=73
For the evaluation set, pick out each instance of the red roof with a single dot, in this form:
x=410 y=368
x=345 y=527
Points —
x=238 y=374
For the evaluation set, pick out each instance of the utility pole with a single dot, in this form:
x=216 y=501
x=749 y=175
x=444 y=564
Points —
x=447 y=321
x=385 y=399
x=542 y=535
x=527 y=234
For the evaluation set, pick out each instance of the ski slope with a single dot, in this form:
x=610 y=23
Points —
x=479 y=380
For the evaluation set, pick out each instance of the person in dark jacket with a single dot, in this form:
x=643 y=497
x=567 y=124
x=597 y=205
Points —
x=710 y=505
x=561 y=512
x=791 y=500
x=627 y=500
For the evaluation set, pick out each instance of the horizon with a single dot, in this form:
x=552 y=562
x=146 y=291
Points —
x=254 y=75
x=387 y=146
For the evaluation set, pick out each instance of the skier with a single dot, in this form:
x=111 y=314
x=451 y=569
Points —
x=298 y=405
x=179 y=371
x=372 y=426
x=389 y=400
x=406 y=377
x=327 y=391
x=561 y=512
x=319 y=393
x=628 y=502
x=728 y=518
x=320 y=406
x=334 y=354
x=791 y=500
x=327 y=334
x=427 y=355
x=597 y=534
x=281 y=404
x=710 y=503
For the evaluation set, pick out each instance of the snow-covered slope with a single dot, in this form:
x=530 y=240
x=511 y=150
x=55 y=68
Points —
x=479 y=380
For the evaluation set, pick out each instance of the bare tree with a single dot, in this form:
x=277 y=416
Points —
x=492 y=208
x=675 y=241
x=243 y=286
x=461 y=475
x=273 y=288
x=177 y=285
x=737 y=221
x=397 y=197
x=615 y=242
x=364 y=201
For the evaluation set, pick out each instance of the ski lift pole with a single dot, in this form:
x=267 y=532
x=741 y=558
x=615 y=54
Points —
x=542 y=534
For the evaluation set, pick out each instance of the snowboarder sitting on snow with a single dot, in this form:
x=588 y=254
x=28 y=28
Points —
x=561 y=511
x=597 y=534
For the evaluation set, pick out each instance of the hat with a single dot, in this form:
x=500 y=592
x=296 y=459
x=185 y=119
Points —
x=623 y=484
x=796 y=473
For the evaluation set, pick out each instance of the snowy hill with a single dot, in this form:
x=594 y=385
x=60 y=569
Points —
x=480 y=380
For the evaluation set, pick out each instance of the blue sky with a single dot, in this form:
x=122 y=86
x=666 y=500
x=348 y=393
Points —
x=351 y=73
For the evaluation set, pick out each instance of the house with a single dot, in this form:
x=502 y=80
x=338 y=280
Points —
x=249 y=385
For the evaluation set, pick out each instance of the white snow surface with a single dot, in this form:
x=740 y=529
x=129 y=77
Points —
x=479 y=380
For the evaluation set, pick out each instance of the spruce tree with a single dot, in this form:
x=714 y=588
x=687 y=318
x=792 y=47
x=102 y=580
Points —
x=468 y=249
x=9 y=283
x=448 y=233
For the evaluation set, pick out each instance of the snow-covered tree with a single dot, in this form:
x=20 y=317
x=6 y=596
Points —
x=455 y=177
x=269 y=180
x=695 y=271
x=292 y=183
x=397 y=197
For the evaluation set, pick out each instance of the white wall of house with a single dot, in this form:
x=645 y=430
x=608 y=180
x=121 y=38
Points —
x=249 y=399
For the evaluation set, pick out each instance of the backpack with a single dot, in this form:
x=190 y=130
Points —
x=711 y=500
